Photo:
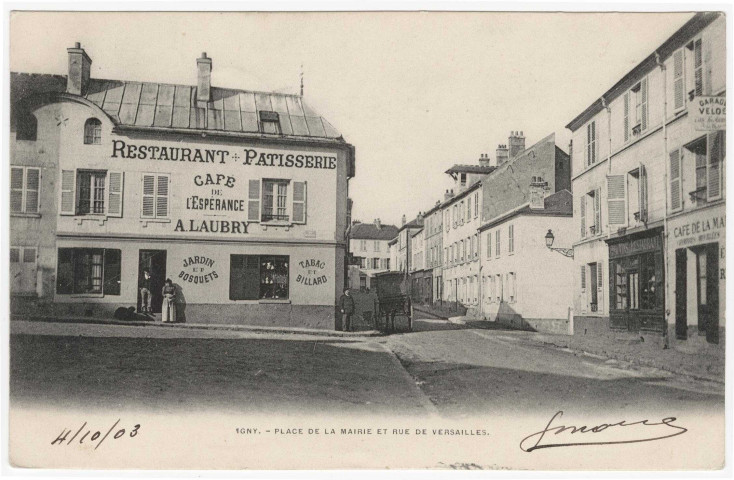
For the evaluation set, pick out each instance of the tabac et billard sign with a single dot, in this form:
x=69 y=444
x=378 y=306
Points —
x=708 y=113
x=217 y=201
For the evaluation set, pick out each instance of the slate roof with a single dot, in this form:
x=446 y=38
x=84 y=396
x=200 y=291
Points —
x=558 y=204
x=368 y=231
x=145 y=104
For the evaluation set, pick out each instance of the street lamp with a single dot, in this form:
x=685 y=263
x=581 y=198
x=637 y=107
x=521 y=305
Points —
x=549 y=238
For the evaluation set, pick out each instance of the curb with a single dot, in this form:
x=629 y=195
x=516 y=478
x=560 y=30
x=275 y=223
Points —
x=643 y=362
x=201 y=326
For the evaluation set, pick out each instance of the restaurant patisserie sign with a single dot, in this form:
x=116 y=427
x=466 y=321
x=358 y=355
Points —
x=218 y=202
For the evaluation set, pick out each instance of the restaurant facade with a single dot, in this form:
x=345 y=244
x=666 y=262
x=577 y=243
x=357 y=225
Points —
x=239 y=197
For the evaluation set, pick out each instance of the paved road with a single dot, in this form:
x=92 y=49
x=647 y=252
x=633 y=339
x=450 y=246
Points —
x=443 y=368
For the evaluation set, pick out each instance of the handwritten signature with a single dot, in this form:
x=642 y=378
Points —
x=539 y=439
x=94 y=434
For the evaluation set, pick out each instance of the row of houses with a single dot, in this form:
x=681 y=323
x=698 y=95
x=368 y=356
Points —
x=624 y=234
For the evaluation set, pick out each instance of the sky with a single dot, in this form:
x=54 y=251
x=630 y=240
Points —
x=414 y=92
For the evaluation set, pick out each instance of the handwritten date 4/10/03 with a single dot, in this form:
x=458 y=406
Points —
x=93 y=436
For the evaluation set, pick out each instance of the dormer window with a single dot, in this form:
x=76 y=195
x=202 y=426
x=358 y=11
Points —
x=463 y=179
x=269 y=122
x=93 y=132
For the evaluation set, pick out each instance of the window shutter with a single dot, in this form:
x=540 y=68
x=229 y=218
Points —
x=112 y=271
x=148 y=196
x=626 y=116
x=588 y=144
x=643 y=103
x=597 y=211
x=65 y=271
x=698 y=68
x=616 y=198
x=642 y=195
x=583 y=278
x=675 y=181
x=161 y=198
x=582 y=214
x=299 y=202
x=713 y=172
x=114 y=194
x=16 y=189
x=32 y=187
x=68 y=181
x=253 y=205
x=679 y=87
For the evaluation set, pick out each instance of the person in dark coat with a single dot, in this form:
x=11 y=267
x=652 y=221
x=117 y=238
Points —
x=346 y=305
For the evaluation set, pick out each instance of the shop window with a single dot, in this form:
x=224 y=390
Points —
x=256 y=277
x=155 y=195
x=25 y=184
x=269 y=122
x=88 y=270
x=92 y=132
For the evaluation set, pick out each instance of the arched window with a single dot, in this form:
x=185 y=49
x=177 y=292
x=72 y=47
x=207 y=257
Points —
x=26 y=126
x=93 y=132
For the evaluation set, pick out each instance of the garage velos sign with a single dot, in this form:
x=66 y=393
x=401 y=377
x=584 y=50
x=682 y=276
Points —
x=708 y=113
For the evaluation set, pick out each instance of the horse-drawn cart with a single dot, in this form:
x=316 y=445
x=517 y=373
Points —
x=393 y=308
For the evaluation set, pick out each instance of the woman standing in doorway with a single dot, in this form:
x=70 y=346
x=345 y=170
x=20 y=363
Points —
x=168 y=314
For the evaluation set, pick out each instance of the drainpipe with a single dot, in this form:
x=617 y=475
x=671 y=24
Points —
x=609 y=227
x=666 y=257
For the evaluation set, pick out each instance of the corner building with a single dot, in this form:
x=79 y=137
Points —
x=239 y=197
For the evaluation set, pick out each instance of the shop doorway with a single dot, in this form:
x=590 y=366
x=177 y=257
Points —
x=154 y=261
x=702 y=265
x=594 y=300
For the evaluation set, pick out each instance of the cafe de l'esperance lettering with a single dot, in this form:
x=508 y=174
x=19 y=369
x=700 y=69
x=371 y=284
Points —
x=210 y=190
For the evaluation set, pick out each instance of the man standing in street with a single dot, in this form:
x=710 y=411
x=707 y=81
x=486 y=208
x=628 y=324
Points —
x=346 y=305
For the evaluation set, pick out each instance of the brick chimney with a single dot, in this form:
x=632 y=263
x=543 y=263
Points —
x=378 y=223
x=79 y=66
x=204 y=82
x=501 y=154
x=448 y=195
x=517 y=143
x=538 y=189
x=403 y=219
x=484 y=160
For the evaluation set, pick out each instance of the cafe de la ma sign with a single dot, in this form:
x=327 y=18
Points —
x=708 y=113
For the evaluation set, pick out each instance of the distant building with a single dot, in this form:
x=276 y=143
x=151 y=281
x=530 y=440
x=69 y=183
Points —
x=520 y=198
x=525 y=284
x=433 y=250
x=650 y=195
x=404 y=243
x=369 y=250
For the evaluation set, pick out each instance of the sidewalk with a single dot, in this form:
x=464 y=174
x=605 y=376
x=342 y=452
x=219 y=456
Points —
x=701 y=366
x=202 y=326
